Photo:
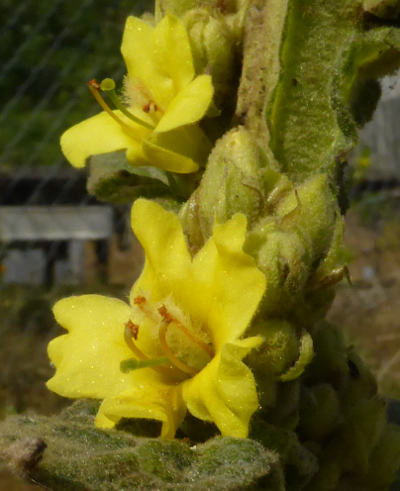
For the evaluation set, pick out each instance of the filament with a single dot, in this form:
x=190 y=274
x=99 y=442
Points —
x=162 y=333
x=169 y=318
x=94 y=89
x=131 y=331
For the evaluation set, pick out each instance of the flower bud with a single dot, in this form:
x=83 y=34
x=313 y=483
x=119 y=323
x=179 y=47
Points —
x=363 y=428
x=279 y=349
x=385 y=458
x=319 y=411
x=213 y=49
x=233 y=182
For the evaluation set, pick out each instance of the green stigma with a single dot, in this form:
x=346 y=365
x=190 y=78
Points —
x=107 y=84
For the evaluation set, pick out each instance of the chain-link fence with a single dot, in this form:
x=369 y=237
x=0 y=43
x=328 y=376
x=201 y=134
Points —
x=52 y=233
x=49 y=50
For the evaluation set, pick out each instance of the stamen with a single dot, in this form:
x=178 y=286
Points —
x=162 y=333
x=94 y=89
x=131 y=331
x=108 y=85
x=169 y=318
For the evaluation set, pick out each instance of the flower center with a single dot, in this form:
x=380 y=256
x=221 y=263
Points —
x=108 y=85
x=166 y=340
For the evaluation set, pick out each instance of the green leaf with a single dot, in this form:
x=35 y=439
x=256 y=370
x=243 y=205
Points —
x=112 y=179
x=67 y=452
x=327 y=58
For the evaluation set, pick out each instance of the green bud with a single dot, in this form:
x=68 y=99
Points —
x=330 y=363
x=361 y=383
x=291 y=242
x=363 y=428
x=313 y=212
x=232 y=182
x=213 y=48
x=385 y=458
x=319 y=411
x=279 y=349
x=335 y=257
x=284 y=260
x=285 y=413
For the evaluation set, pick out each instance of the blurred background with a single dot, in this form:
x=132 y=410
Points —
x=56 y=240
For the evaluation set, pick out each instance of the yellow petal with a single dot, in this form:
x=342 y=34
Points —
x=167 y=265
x=138 y=48
x=168 y=160
x=150 y=401
x=100 y=134
x=87 y=359
x=189 y=141
x=224 y=392
x=228 y=286
x=189 y=105
x=172 y=51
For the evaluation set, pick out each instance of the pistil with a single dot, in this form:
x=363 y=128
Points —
x=131 y=333
x=108 y=85
x=94 y=88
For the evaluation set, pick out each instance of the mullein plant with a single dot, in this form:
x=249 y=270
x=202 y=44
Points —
x=230 y=134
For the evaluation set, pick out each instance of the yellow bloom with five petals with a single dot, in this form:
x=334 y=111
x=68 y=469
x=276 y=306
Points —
x=163 y=97
x=179 y=345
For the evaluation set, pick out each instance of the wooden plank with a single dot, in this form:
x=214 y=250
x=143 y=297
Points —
x=55 y=223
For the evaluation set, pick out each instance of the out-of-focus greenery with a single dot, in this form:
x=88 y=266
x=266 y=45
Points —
x=48 y=51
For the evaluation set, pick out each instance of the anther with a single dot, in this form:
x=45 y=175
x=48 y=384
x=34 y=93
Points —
x=130 y=333
x=165 y=314
x=139 y=300
x=131 y=330
x=150 y=107
x=94 y=83
x=134 y=329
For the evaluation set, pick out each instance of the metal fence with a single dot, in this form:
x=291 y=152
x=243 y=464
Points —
x=48 y=51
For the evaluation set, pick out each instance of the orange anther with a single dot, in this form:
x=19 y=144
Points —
x=139 y=300
x=165 y=314
x=94 y=83
x=133 y=328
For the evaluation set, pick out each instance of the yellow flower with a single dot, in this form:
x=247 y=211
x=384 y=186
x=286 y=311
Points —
x=164 y=99
x=178 y=346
